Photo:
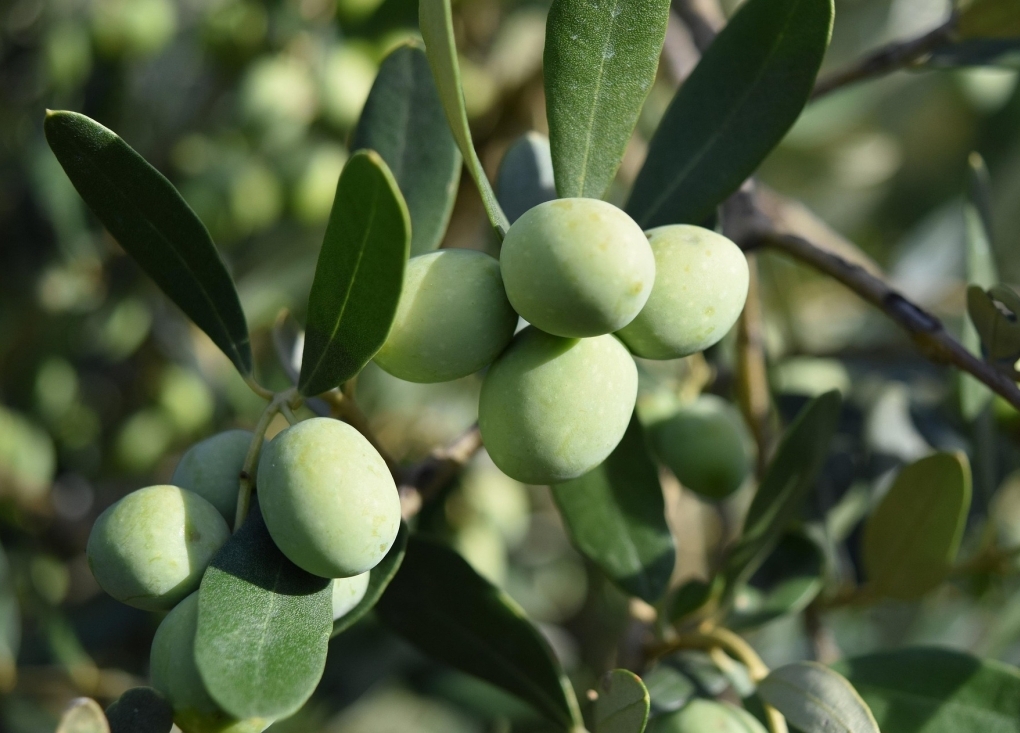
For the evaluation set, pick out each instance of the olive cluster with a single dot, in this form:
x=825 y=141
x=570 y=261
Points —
x=595 y=289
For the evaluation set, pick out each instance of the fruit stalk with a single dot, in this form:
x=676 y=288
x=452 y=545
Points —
x=278 y=402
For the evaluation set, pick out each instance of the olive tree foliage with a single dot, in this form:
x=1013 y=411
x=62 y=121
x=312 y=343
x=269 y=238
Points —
x=324 y=522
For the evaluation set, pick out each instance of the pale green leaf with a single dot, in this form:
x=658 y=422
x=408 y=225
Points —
x=623 y=703
x=817 y=700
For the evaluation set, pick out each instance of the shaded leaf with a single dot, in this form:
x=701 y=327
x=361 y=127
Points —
x=816 y=699
x=525 y=177
x=379 y=577
x=10 y=626
x=689 y=598
x=788 y=580
x=927 y=690
x=600 y=62
x=623 y=703
x=358 y=277
x=435 y=19
x=83 y=715
x=615 y=515
x=999 y=334
x=788 y=479
x=263 y=627
x=745 y=93
x=403 y=121
x=911 y=539
x=446 y=609
x=140 y=710
x=150 y=220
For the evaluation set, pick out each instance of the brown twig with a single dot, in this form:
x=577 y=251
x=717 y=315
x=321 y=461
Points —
x=423 y=481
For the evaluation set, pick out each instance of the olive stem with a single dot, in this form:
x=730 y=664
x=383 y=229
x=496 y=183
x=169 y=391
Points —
x=258 y=389
x=278 y=402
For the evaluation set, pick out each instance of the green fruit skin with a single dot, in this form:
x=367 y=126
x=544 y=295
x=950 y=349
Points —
x=552 y=408
x=707 y=716
x=174 y=673
x=328 y=498
x=453 y=318
x=577 y=267
x=700 y=287
x=212 y=469
x=705 y=446
x=348 y=593
x=149 y=550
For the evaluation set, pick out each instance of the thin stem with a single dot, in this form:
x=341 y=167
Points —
x=258 y=389
x=247 y=477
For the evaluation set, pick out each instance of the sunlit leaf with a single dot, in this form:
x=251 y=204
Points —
x=817 y=700
x=623 y=703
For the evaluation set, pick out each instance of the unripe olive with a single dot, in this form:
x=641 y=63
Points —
x=577 y=267
x=150 y=549
x=553 y=408
x=347 y=593
x=705 y=445
x=707 y=716
x=212 y=469
x=174 y=673
x=453 y=318
x=700 y=287
x=328 y=498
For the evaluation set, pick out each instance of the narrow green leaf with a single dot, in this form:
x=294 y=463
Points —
x=403 y=121
x=788 y=580
x=446 y=609
x=150 y=220
x=358 y=277
x=735 y=107
x=615 y=515
x=911 y=539
x=379 y=577
x=817 y=700
x=83 y=715
x=600 y=62
x=263 y=627
x=927 y=690
x=140 y=710
x=436 y=21
x=623 y=703
x=689 y=598
x=525 y=178
x=789 y=478
x=999 y=334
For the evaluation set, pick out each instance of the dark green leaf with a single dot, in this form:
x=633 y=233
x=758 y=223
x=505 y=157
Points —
x=928 y=690
x=788 y=479
x=263 y=627
x=816 y=699
x=358 y=277
x=911 y=539
x=150 y=220
x=689 y=598
x=10 y=626
x=600 y=61
x=380 y=577
x=615 y=515
x=83 y=715
x=525 y=177
x=140 y=710
x=446 y=609
x=735 y=107
x=623 y=703
x=436 y=21
x=788 y=580
x=403 y=121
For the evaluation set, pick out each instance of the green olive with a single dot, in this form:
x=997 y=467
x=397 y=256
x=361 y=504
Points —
x=705 y=445
x=707 y=716
x=700 y=287
x=553 y=408
x=577 y=267
x=174 y=673
x=212 y=469
x=150 y=549
x=347 y=593
x=453 y=318
x=328 y=498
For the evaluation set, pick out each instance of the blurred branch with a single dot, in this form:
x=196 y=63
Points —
x=751 y=369
x=423 y=481
x=890 y=58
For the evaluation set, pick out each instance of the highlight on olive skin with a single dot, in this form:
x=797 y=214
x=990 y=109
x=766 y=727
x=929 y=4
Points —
x=348 y=593
x=577 y=267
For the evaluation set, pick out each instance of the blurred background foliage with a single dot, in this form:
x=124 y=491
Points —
x=247 y=105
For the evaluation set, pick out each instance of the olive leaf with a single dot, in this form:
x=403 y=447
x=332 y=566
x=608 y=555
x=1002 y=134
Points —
x=936 y=691
x=379 y=577
x=83 y=715
x=403 y=121
x=816 y=699
x=441 y=605
x=743 y=96
x=999 y=332
x=140 y=710
x=600 y=62
x=150 y=220
x=525 y=177
x=10 y=626
x=263 y=626
x=435 y=19
x=623 y=703
x=912 y=537
x=615 y=515
x=358 y=276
